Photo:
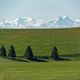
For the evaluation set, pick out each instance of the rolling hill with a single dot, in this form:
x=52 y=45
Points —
x=41 y=41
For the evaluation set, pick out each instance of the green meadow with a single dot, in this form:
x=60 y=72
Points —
x=67 y=42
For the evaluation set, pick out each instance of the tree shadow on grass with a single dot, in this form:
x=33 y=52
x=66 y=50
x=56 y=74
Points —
x=19 y=59
x=46 y=58
x=39 y=59
x=64 y=59
x=71 y=55
x=61 y=59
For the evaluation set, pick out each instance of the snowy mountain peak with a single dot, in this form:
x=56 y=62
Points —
x=64 y=21
x=65 y=17
x=28 y=22
x=68 y=19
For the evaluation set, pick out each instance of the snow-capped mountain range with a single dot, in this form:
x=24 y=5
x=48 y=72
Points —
x=27 y=22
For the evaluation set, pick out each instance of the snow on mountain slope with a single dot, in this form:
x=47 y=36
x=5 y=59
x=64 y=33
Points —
x=27 y=22
x=64 y=22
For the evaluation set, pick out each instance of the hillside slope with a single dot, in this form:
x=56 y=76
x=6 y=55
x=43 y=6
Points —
x=42 y=41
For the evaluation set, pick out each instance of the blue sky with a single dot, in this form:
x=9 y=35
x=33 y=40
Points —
x=39 y=8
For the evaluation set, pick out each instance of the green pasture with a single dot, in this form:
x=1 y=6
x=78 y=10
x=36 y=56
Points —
x=42 y=41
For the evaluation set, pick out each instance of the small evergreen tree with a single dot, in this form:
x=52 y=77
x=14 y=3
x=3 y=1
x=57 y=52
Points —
x=3 y=51
x=12 y=52
x=28 y=53
x=54 y=54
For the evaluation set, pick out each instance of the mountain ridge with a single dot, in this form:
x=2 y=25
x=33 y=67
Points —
x=28 y=22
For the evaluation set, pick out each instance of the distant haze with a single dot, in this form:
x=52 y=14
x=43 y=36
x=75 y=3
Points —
x=39 y=8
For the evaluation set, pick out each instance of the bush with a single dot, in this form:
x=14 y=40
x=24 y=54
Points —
x=28 y=53
x=12 y=52
x=3 y=51
x=54 y=54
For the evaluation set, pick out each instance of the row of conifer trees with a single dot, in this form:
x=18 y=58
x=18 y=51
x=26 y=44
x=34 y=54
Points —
x=28 y=53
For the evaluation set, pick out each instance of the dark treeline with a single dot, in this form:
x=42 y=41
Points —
x=28 y=54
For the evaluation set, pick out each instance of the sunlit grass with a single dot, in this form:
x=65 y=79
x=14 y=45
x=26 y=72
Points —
x=41 y=41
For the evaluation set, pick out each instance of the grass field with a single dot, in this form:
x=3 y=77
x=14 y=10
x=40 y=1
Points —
x=42 y=41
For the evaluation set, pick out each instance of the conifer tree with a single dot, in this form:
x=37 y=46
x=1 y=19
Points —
x=28 y=53
x=3 y=51
x=12 y=52
x=54 y=54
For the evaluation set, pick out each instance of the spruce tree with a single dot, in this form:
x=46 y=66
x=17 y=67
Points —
x=3 y=51
x=28 y=53
x=12 y=52
x=54 y=54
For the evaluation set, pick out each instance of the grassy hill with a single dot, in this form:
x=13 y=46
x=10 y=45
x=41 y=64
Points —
x=41 y=41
